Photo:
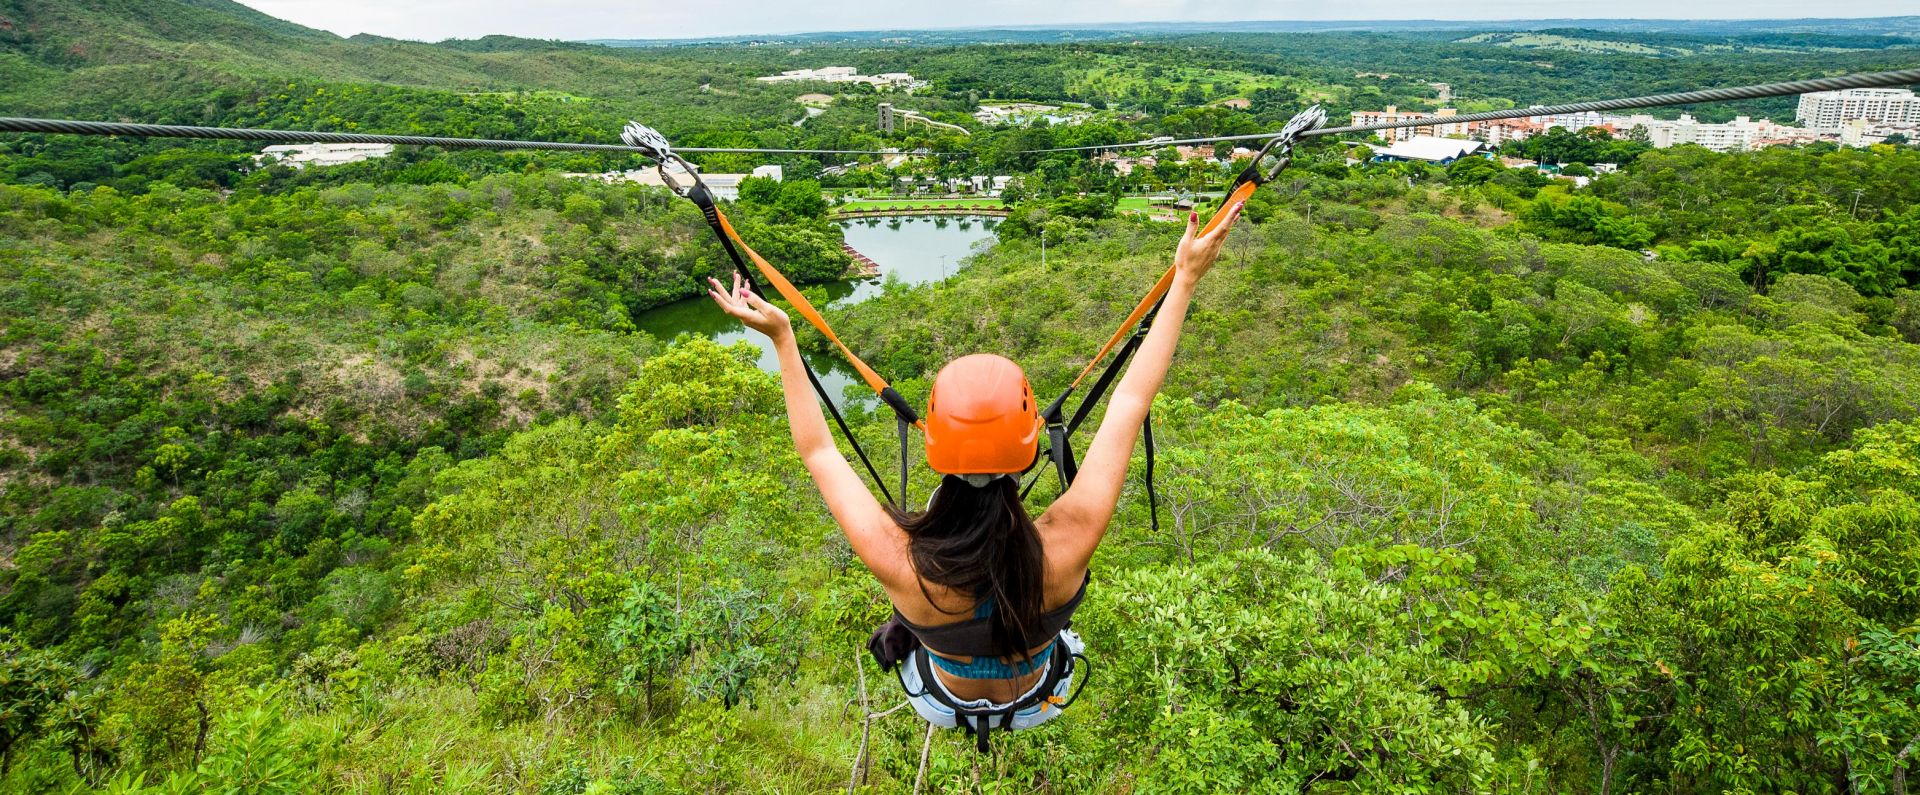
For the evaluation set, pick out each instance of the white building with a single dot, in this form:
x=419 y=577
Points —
x=1429 y=149
x=1393 y=114
x=844 y=74
x=1860 y=132
x=1828 y=110
x=1573 y=122
x=1450 y=130
x=303 y=155
x=1500 y=131
x=1740 y=135
x=725 y=187
x=981 y=183
x=1027 y=113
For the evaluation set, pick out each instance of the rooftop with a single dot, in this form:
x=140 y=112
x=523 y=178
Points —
x=1429 y=148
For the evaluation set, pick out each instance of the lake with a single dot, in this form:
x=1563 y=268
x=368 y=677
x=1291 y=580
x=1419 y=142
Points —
x=914 y=250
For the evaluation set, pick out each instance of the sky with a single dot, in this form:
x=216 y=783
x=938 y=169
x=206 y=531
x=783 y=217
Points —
x=433 y=20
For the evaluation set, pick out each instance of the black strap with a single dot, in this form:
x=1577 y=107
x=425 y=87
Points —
x=978 y=723
x=905 y=430
x=704 y=200
x=1153 y=494
x=1060 y=434
x=1060 y=452
x=1120 y=359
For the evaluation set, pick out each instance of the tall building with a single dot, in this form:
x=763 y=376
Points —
x=1829 y=110
x=1394 y=114
x=1500 y=131
x=1740 y=135
x=886 y=117
x=1450 y=130
x=1573 y=122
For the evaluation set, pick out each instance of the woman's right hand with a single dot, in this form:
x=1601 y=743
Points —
x=751 y=309
x=1197 y=251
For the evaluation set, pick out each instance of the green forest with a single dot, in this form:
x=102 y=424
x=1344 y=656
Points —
x=364 y=478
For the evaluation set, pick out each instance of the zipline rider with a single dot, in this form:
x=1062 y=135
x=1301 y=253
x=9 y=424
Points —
x=983 y=593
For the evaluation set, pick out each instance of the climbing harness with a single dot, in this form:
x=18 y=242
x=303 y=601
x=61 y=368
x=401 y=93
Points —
x=654 y=145
x=1139 y=322
x=979 y=722
x=896 y=647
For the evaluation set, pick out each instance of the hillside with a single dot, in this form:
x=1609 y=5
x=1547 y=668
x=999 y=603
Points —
x=91 y=55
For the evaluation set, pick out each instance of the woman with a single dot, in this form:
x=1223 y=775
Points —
x=986 y=590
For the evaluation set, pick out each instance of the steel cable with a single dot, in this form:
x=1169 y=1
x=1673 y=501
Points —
x=72 y=127
x=66 y=126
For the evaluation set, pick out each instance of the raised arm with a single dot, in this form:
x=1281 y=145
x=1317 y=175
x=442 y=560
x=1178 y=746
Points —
x=1078 y=520
x=875 y=538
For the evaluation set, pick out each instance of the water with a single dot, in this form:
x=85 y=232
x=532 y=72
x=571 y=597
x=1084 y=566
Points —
x=912 y=250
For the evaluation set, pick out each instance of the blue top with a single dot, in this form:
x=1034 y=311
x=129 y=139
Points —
x=993 y=667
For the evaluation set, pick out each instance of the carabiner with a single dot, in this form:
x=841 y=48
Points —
x=654 y=145
x=666 y=175
x=1280 y=147
x=1281 y=161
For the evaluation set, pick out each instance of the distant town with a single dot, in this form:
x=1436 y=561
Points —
x=1856 y=117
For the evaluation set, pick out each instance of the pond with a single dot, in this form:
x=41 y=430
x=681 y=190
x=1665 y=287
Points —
x=914 y=250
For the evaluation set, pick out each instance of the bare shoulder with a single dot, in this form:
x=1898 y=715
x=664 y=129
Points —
x=1069 y=541
x=1059 y=520
x=883 y=547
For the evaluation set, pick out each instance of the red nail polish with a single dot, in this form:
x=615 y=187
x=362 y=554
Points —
x=1193 y=216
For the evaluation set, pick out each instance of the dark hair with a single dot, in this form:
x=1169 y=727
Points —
x=980 y=541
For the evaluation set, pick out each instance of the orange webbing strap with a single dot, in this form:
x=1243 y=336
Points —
x=805 y=308
x=1140 y=310
x=1152 y=298
x=1240 y=193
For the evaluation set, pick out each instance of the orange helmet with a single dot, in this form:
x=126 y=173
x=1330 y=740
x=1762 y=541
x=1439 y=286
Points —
x=981 y=418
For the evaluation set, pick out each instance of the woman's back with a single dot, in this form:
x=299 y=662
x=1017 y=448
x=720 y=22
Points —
x=988 y=632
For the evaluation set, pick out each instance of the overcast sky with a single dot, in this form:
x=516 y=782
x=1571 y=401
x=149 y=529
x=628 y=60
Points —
x=432 y=20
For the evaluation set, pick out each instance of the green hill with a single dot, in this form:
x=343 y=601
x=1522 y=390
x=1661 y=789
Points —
x=63 y=50
x=77 y=33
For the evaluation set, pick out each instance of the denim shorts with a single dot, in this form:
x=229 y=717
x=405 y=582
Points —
x=942 y=716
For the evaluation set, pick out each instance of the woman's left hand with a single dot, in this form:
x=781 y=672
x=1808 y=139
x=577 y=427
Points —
x=751 y=309
x=1198 y=251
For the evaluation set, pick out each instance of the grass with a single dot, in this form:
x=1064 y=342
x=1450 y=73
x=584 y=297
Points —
x=1124 y=79
x=1548 y=41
